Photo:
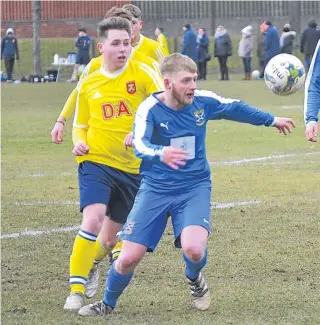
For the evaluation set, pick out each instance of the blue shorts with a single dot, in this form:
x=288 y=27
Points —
x=82 y=59
x=148 y=217
x=113 y=187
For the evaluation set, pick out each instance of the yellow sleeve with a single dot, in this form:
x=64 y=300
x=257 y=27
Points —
x=81 y=118
x=70 y=104
x=159 y=53
x=152 y=79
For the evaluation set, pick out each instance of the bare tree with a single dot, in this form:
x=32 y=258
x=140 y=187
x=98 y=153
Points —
x=36 y=18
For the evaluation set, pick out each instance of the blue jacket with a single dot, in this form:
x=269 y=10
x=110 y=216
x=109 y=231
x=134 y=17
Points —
x=83 y=45
x=312 y=89
x=157 y=125
x=271 y=43
x=202 y=47
x=222 y=44
x=9 y=48
x=189 y=44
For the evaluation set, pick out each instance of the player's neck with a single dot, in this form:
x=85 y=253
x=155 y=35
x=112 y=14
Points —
x=110 y=68
x=134 y=42
x=170 y=101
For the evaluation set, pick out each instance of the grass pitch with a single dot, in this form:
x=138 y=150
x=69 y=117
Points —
x=263 y=265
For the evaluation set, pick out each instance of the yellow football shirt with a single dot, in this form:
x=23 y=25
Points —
x=164 y=43
x=149 y=47
x=105 y=111
x=94 y=65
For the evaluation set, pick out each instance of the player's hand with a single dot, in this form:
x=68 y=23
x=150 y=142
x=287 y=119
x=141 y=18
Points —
x=284 y=125
x=128 y=141
x=312 y=132
x=174 y=158
x=57 y=133
x=80 y=149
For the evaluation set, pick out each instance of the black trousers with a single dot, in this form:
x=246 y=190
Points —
x=9 y=63
x=223 y=67
x=202 y=70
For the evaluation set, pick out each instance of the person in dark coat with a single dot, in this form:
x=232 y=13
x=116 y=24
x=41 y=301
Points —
x=83 y=43
x=260 y=48
x=271 y=43
x=287 y=39
x=308 y=41
x=202 y=53
x=222 y=50
x=9 y=52
x=189 y=43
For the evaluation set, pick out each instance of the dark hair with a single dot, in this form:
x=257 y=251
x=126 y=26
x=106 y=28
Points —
x=113 y=23
x=202 y=28
x=82 y=30
x=161 y=29
x=118 y=12
x=269 y=23
x=286 y=29
x=134 y=10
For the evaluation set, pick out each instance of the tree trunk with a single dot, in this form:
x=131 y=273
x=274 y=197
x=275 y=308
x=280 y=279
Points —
x=295 y=17
x=36 y=18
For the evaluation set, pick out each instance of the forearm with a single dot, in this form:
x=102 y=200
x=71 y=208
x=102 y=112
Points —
x=70 y=105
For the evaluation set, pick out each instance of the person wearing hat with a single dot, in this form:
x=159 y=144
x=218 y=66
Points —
x=189 y=43
x=83 y=57
x=9 y=52
x=287 y=39
x=308 y=41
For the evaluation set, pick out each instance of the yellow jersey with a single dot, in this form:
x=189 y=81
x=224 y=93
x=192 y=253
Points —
x=94 y=65
x=105 y=111
x=150 y=47
x=164 y=43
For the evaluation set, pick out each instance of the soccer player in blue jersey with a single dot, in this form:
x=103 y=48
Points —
x=169 y=137
x=312 y=97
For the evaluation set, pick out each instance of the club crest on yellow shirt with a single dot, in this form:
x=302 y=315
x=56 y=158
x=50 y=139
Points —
x=131 y=87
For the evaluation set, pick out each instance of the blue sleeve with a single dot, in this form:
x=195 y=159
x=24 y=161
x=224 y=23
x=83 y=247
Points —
x=267 y=41
x=2 y=46
x=312 y=89
x=236 y=110
x=78 y=42
x=143 y=129
x=185 y=43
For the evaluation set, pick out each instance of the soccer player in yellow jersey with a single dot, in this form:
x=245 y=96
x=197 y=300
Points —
x=95 y=64
x=161 y=39
x=142 y=43
x=108 y=173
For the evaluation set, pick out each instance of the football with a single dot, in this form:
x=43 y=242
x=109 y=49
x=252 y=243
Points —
x=284 y=74
x=255 y=74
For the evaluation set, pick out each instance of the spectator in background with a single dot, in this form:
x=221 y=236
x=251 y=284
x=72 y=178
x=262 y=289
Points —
x=9 y=52
x=245 y=50
x=202 y=53
x=271 y=43
x=308 y=41
x=260 y=48
x=287 y=39
x=222 y=50
x=83 y=57
x=189 y=42
x=162 y=40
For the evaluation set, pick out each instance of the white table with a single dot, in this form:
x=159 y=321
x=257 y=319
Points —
x=61 y=66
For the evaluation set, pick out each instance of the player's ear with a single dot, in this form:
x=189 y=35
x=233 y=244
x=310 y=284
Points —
x=141 y=24
x=100 y=47
x=167 y=83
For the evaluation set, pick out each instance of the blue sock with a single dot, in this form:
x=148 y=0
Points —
x=115 y=285
x=193 y=268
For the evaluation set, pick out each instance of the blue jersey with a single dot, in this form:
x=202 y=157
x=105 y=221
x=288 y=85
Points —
x=156 y=126
x=83 y=44
x=312 y=89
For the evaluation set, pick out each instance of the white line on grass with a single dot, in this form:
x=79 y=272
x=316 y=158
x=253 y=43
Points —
x=249 y=160
x=36 y=233
x=293 y=106
x=37 y=203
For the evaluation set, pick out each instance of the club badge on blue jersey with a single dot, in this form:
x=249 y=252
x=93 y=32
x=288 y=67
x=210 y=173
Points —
x=199 y=114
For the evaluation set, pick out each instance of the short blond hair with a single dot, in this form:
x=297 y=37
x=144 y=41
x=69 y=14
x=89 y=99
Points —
x=119 y=12
x=177 y=62
x=134 y=10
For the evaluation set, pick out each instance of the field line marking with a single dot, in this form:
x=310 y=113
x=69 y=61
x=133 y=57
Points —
x=248 y=160
x=37 y=233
